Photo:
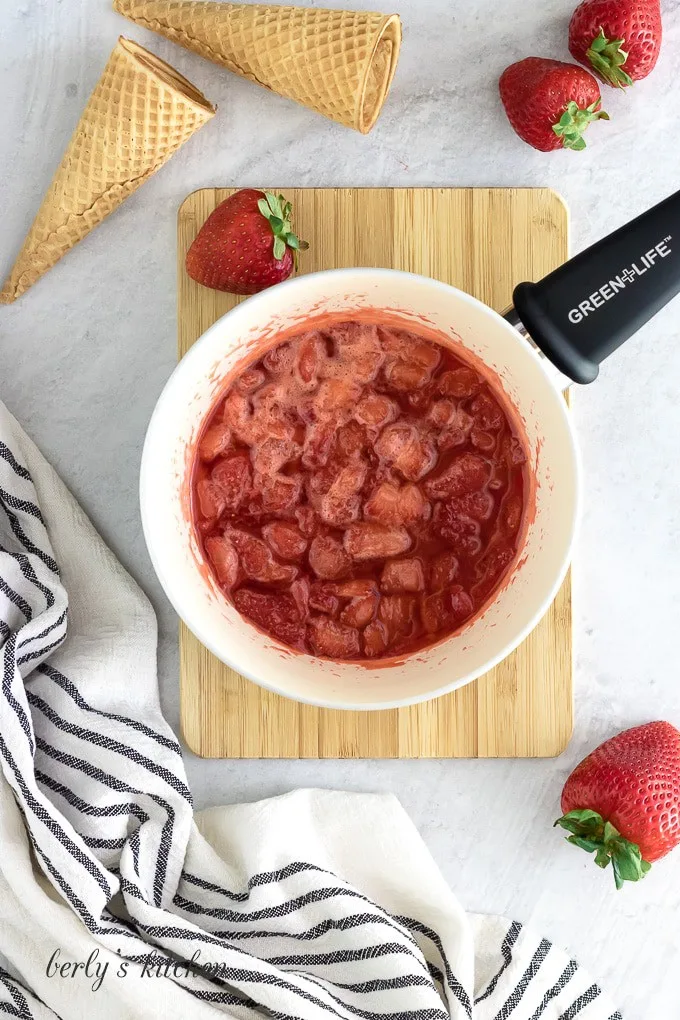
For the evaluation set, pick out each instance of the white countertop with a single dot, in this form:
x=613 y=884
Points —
x=85 y=354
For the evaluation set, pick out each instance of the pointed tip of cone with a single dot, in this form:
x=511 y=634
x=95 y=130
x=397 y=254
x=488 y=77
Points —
x=8 y=295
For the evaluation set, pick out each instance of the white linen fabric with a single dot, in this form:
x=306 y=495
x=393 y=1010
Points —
x=116 y=901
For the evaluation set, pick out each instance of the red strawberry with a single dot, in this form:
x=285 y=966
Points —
x=620 y=39
x=550 y=103
x=623 y=800
x=245 y=245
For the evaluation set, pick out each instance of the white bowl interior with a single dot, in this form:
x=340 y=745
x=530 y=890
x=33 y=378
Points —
x=192 y=390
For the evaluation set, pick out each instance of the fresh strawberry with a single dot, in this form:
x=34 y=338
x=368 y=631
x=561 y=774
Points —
x=620 y=39
x=550 y=103
x=246 y=244
x=623 y=801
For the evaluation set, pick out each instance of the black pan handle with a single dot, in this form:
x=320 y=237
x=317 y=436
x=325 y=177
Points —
x=583 y=311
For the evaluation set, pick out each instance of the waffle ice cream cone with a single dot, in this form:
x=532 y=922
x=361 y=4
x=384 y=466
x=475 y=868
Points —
x=339 y=63
x=139 y=114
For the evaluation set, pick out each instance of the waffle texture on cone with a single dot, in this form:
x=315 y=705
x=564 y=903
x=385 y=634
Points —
x=139 y=114
x=339 y=63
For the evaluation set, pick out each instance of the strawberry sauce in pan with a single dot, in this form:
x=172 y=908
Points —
x=360 y=492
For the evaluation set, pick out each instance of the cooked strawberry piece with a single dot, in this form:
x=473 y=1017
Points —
x=285 y=539
x=319 y=440
x=224 y=559
x=308 y=521
x=477 y=505
x=342 y=504
x=211 y=500
x=322 y=597
x=405 y=376
x=337 y=398
x=357 y=344
x=332 y=639
x=398 y=613
x=491 y=568
x=350 y=440
x=487 y=413
x=269 y=456
x=358 y=588
x=233 y=478
x=463 y=533
x=375 y=640
x=399 y=343
x=280 y=359
x=442 y=412
x=376 y=410
x=327 y=558
x=250 y=380
x=368 y=541
x=256 y=559
x=238 y=415
x=511 y=514
x=443 y=571
x=407 y=450
x=215 y=440
x=513 y=451
x=273 y=415
x=282 y=493
x=276 y=613
x=456 y=432
x=446 y=610
x=360 y=611
x=402 y=576
x=483 y=441
x=459 y=383
x=392 y=504
x=310 y=352
x=300 y=589
x=467 y=473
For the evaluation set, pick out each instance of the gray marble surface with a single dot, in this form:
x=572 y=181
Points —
x=84 y=355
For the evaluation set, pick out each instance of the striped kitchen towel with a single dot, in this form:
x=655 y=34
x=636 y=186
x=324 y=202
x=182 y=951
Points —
x=116 y=901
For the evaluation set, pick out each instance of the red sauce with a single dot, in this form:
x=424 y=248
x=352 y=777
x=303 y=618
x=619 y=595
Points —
x=360 y=492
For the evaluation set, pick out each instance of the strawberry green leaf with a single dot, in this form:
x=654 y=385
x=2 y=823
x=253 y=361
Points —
x=574 y=121
x=277 y=211
x=274 y=204
x=607 y=60
x=592 y=833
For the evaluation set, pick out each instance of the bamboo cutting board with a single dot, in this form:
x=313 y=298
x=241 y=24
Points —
x=483 y=241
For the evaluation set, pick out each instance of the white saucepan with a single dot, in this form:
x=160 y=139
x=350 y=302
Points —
x=523 y=373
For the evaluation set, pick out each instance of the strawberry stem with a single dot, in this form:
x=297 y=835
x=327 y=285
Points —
x=607 y=59
x=574 y=121
x=278 y=212
x=592 y=833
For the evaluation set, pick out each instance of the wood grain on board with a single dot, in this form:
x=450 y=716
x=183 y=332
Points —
x=483 y=241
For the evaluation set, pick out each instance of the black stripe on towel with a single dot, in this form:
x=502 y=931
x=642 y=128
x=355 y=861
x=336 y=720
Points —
x=25 y=506
x=452 y=981
x=165 y=843
x=101 y=740
x=16 y=599
x=506 y=953
x=18 y=468
x=44 y=633
x=564 y=979
x=583 y=1000
x=52 y=825
x=75 y=695
x=528 y=976
x=8 y=676
x=28 y=545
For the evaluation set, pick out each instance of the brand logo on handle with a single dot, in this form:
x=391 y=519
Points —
x=622 y=280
